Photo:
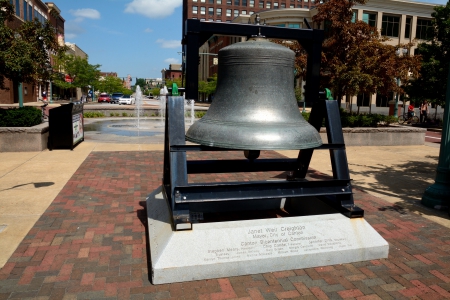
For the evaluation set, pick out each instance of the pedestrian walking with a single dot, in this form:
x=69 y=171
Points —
x=423 y=111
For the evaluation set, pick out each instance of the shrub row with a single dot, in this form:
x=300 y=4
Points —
x=20 y=117
x=361 y=120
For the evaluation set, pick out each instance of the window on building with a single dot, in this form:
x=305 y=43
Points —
x=202 y=10
x=228 y=13
x=275 y=5
x=211 y=1
x=294 y=25
x=202 y=19
x=18 y=8
x=236 y=13
x=195 y=10
x=244 y=2
x=280 y=25
x=244 y=12
x=218 y=1
x=228 y=2
x=268 y=4
x=237 y=2
x=390 y=26
x=306 y=1
x=424 y=29
x=261 y=4
x=291 y=6
x=25 y=10
x=211 y=11
x=354 y=16
x=408 y=27
x=194 y=0
x=370 y=19
x=218 y=20
x=252 y=3
x=218 y=12
x=30 y=12
x=283 y=5
x=251 y=13
x=203 y=1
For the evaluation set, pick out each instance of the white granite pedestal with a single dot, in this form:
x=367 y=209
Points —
x=223 y=249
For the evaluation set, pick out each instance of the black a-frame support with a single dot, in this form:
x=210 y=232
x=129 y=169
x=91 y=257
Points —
x=184 y=197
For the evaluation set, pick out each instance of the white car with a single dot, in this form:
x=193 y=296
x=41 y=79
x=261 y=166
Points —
x=127 y=99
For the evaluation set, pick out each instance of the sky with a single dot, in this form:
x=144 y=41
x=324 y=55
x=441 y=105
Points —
x=129 y=37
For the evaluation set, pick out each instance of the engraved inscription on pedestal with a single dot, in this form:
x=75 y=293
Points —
x=215 y=250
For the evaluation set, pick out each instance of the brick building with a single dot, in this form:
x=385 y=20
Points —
x=227 y=10
x=28 y=10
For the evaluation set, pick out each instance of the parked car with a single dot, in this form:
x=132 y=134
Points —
x=115 y=97
x=104 y=97
x=127 y=99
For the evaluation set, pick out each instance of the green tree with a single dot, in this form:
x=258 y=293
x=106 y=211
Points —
x=24 y=52
x=110 y=84
x=208 y=87
x=355 y=58
x=169 y=82
x=432 y=83
x=80 y=71
x=141 y=83
x=155 y=91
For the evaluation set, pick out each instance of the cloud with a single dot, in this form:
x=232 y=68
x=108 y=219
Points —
x=72 y=29
x=85 y=13
x=169 y=43
x=153 y=9
x=148 y=30
x=172 y=61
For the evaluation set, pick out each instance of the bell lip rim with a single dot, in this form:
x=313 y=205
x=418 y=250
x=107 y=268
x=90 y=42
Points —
x=252 y=147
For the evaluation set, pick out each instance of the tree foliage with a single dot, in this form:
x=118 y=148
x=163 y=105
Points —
x=355 y=58
x=25 y=51
x=432 y=83
x=208 y=87
x=141 y=83
x=110 y=84
x=79 y=70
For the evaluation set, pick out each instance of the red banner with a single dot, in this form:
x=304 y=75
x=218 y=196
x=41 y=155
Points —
x=68 y=79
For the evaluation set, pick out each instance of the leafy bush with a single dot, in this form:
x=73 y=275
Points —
x=20 y=117
x=200 y=114
x=360 y=120
x=124 y=114
x=93 y=114
x=305 y=116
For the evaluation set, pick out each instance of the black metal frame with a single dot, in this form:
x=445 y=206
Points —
x=181 y=195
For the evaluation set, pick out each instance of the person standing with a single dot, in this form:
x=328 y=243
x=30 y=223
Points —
x=423 y=111
x=44 y=96
x=411 y=110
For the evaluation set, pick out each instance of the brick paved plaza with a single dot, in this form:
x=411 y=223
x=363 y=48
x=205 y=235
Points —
x=91 y=243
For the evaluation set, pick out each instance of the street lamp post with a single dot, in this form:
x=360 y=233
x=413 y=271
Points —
x=404 y=51
x=438 y=194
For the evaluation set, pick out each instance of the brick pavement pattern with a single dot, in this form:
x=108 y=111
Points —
x=91 y=243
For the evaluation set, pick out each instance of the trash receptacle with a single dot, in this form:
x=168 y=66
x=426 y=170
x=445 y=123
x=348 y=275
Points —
x=65 y=126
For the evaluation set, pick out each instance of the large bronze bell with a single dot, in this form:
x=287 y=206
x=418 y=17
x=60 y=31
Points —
x=254 y=107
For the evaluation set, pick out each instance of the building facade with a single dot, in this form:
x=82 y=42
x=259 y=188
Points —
x=28 y=10
x=227 y=10
x=174 y=72
x=401 y=21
